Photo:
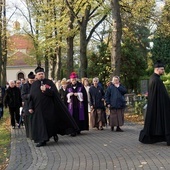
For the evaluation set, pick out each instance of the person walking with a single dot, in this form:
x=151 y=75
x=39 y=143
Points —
x=63 y=92
x=85 y=82
x=77 y=103
x=25 y=94
x=49 y=115
x=2 y=93
x=156 y=126
x=12 y=99
x=97 y=105
x=115 y=101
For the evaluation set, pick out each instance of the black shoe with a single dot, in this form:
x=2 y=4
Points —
x=112 y=128
x=79 y=132
x=73 y=134
x=56 y=138
x=101 y=128
x=41 y=144
x=119 y=130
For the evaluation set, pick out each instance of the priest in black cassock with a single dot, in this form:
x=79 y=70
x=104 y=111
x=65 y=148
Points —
x=25 y=94
x=157 y=121
x=49 y=115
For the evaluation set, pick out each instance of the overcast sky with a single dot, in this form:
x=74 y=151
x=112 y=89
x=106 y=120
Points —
x=14 y=14
x=11 y=7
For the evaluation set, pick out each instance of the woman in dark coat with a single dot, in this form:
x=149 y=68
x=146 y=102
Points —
x=115 y=100
x=97 y=105
x=63 y=91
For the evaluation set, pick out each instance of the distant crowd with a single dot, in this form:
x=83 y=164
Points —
x=38 y=102
x=71 y=106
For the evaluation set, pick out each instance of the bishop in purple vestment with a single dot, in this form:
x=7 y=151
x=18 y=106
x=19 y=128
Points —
x=77 y=102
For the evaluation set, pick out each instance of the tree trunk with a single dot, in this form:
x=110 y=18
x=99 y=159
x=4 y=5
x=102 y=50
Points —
x=70 y=53
x=83 y=43
x=83 y=51
x=116 y=37
x=58 y=64
x=1 y=62
x=70 y=47
x=52 y=65
x=4 y=45
x=46 y=66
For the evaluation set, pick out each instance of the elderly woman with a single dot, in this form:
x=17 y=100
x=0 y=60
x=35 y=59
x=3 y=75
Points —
x=115 y=101
x=63 y=92
x=85 y=83
x=97 y=105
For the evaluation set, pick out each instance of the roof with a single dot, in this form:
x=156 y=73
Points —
x=20 y=41
x=20 y=59
x=20 y=47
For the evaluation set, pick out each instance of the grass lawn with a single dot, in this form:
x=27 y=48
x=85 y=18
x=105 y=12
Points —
x=5 y=139
x=132 y=117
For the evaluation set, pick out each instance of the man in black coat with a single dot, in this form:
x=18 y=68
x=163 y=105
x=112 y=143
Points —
x=25 y=93
x=2 y=93
x=13 y=100
x=49 y=115
x=157 y=126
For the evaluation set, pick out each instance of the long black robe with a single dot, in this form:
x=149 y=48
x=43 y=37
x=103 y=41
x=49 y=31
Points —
x=63 y=94
x=25 y=90
x=50 y=116
x=76 y=105
x=157 y=121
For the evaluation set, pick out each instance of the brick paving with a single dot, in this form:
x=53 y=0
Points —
x=92 y=150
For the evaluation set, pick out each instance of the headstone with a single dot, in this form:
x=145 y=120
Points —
x=144 y=86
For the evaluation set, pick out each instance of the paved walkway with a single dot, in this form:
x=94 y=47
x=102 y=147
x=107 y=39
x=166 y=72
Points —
x=92 y=150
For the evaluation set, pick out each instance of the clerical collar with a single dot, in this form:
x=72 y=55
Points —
x=157 y=74
x=74 y=85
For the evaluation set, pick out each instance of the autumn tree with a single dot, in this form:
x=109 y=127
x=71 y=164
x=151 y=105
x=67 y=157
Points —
x=161 y=37
x=44 y=20
x=3 y=42
x=135 y=42
x=84 y=11
x=116 y=37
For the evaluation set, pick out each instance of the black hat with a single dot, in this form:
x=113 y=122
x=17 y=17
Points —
x=39 y=69
x=31 y=75
x=158 y=64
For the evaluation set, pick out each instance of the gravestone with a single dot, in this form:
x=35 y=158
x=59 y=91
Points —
x=144 y=86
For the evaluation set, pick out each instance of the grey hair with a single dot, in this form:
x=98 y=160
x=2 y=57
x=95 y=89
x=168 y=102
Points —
x=11 y=81
x=96 y=78
x=115 y=77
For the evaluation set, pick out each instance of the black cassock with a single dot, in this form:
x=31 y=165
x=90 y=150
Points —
x=50 y=116
x=157 y=121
